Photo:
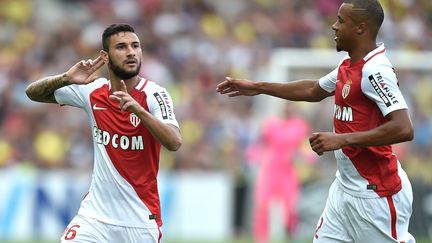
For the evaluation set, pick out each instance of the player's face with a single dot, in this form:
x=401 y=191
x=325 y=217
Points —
x=124 y=56
x=345 y=29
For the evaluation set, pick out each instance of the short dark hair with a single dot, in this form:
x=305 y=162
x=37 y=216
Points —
x=368 y=10
x=112 y=30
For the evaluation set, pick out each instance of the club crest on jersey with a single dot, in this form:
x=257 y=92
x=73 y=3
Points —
x=346 y=88
x=134 y=120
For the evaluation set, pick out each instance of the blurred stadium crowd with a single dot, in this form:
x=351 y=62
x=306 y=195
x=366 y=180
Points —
x=189 y=46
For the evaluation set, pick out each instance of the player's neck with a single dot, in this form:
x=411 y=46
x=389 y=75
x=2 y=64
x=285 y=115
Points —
x=359 y=53
x=130 y=83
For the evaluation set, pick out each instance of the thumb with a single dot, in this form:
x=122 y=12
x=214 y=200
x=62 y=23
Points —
x=123 y=86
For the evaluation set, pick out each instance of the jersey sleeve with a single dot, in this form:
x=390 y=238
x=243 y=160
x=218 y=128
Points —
x=161 y=106
x=328 y=82
x=381 y=86
x=70 y=95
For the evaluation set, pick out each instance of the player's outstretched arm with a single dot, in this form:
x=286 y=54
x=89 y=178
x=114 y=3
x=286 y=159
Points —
x=300 y=90
x=43 y=89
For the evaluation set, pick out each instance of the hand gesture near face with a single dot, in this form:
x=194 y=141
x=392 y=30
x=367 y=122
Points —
x=82 y=72
x=126 y=102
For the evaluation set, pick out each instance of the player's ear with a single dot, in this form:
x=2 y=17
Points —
x=362 y=27
x=104 y=56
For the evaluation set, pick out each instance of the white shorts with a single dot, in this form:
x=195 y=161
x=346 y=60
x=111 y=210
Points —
x=358 y=220
x=87 y=230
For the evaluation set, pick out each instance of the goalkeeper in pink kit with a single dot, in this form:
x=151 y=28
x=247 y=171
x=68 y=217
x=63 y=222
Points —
x=276 y=149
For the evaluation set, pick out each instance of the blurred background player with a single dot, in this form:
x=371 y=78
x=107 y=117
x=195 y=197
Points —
x=131 y=117
x=371 y=189
x=275 y=152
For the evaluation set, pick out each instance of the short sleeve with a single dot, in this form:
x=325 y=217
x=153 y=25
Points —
x=161 y=105
x=70 y=95
x=381 y=86
x=328 y=82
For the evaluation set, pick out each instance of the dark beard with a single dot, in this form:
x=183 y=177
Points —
x=122 y=73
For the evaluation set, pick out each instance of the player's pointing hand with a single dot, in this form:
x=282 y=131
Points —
x=237 y=87
x=126 y=102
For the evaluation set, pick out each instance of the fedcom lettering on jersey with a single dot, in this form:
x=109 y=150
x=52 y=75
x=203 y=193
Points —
x=117 y=140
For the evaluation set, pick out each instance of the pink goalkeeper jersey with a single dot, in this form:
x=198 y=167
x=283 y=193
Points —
x=123 y=188
x=365 y=92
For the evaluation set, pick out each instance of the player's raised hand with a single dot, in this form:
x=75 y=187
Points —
x=237 y=87
x=126 y=102
x=83 y=71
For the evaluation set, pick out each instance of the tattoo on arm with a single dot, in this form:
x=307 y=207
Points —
x=43 y=90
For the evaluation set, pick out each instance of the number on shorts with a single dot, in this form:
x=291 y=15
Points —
x=70 y=233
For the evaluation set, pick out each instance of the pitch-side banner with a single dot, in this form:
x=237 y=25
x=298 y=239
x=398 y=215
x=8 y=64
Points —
x=38 y=204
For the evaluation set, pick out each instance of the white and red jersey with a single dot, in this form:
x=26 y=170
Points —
x=365 y=92
x=123 y=188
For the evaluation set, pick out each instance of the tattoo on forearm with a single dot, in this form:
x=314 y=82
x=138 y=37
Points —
x=43 y=90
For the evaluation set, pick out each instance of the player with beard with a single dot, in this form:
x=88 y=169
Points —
x=130 y=117
x=371 y=198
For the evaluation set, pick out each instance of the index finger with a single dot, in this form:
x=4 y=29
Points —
x=97 y=63
x=98 y=58
x=123 y=86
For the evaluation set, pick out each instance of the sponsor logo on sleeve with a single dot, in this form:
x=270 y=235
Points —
x=161 y=105
x=382 y=89
x=164 y=104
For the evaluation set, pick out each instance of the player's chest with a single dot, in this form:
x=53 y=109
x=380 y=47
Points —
x=109 y=117
x=348 y=85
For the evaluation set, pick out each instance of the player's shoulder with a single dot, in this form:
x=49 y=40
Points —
x=88 y=88
x=100 y=82
x=377 y=61
x=152 y=87
x=96 y=84
x=378 y=68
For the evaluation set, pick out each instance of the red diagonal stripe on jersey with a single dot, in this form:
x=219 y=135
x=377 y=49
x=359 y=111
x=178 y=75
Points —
x=145 y=83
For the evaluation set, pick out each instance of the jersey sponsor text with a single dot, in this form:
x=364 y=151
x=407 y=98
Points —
x=164 y=103
x=118 y=141
x=383 y=91
x=343 y=113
